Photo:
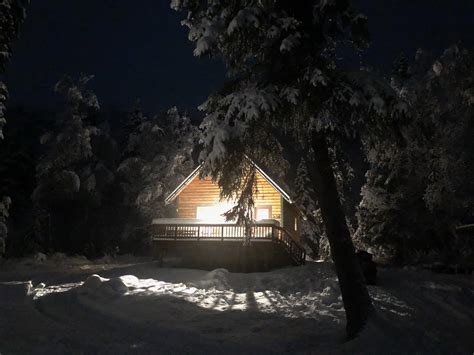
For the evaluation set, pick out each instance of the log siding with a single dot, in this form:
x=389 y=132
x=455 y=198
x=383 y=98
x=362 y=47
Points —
x=204 y=192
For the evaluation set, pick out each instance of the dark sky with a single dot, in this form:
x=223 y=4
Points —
x=406 y=25
x=135 y=51
x=139 y=49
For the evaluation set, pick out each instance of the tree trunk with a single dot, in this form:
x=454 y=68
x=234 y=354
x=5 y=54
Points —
x=355 y=296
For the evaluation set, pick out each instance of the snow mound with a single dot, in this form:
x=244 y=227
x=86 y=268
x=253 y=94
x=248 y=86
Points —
x=93 y=282
x=309 y=292
x=40 y=257
x=117 y=286
x=290 y=310
x=101 y=286
x=217 y=279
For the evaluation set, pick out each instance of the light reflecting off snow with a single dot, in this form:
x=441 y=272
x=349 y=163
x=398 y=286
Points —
x=43 y=290
x=308 y=296
x=275 y=310
x=208 y=292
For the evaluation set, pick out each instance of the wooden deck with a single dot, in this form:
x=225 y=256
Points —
x=269 y=233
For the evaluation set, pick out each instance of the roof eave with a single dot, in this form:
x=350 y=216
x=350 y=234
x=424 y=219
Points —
x=183 y=184
x=195 y=172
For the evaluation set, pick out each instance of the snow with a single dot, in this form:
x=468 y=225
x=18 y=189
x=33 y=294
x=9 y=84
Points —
x=134 y=306
x=318 y=78
x=290 y=42
x=245 y=18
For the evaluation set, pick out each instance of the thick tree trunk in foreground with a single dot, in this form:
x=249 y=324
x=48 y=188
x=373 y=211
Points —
x=357 y=302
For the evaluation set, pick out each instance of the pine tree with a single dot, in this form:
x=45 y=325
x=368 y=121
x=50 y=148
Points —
x=158 y=155
x=419 y=191
x=134 y=120
x=71 y=175
x=4 y=207
x=12 y=15
x=401 y=69
x=285 y=81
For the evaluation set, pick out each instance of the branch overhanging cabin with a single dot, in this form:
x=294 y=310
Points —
x=201 y=226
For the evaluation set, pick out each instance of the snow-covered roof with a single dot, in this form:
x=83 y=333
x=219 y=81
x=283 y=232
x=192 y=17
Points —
x=196 y=171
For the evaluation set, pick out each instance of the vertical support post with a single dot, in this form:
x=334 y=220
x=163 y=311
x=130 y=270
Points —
x=199 y=231
x=175 y=232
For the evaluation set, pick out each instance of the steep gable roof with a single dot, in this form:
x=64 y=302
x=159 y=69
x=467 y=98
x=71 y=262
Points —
x=196 y=171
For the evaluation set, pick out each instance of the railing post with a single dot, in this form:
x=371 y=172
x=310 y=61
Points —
x=222 y=233
x=199 y=231
x=175 y=232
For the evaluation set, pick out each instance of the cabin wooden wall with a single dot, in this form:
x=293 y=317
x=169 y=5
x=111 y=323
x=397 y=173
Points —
x=203 y=192
x=267 y=195
x=199 y=192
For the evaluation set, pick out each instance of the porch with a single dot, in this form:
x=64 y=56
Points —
x=163 y=231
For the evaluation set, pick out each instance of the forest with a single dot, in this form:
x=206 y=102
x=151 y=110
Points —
x=379 y=161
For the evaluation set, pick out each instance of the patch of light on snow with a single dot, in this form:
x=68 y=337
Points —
x=290 y=293
x=41 y=290
x=387 y=302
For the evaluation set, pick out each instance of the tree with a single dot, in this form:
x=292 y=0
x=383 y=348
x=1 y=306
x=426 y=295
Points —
x=12 y=15
x=4 y=207
x=286 y=91
x=134 y=121
x=157 y=156
x=401 y=69
x=417 y=192
x=72 y=175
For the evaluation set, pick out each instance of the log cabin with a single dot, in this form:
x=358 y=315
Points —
x=200 y=231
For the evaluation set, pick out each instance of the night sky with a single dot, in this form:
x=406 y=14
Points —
x=142 y=52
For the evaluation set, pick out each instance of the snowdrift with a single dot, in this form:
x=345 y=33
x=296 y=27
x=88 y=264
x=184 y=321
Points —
x=143 y=308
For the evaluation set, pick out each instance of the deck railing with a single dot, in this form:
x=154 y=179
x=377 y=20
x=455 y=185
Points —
x=228 y=232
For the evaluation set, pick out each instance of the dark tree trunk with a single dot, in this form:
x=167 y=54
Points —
x=357 y=302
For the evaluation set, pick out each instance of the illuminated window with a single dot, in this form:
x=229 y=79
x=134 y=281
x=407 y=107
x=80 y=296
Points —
x=262 y=213
x=213 y=213
x=296 y=224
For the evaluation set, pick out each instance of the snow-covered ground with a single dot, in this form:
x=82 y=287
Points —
x=126 y=306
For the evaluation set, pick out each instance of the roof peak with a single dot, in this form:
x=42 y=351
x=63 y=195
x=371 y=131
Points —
x=196 y=171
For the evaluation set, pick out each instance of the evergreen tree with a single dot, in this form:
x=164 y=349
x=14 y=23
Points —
x=419 y=191
x=285 y=81
x=401 y=69
x=4 y=207
x=71 y=175
x=158 y=155
x=12 y=14
x=134 y=121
